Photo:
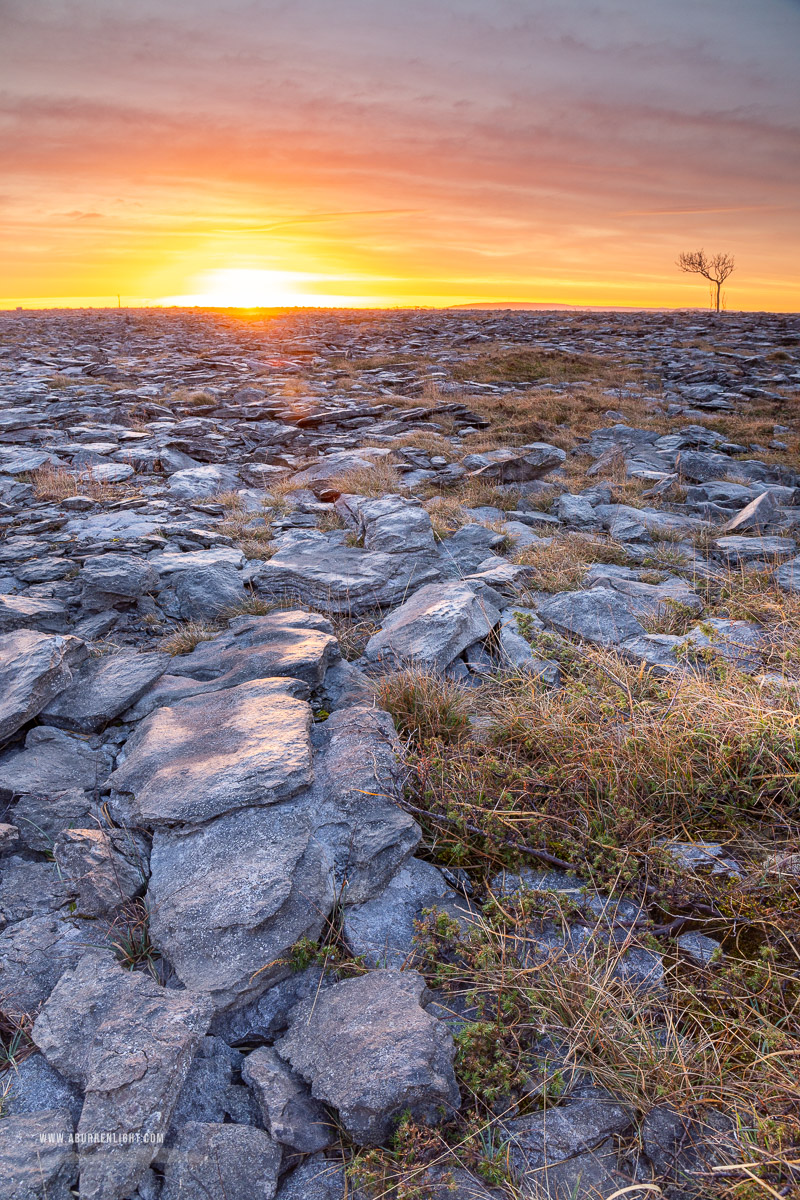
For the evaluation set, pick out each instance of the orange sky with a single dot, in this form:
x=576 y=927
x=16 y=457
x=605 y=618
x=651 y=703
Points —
x=378 y=152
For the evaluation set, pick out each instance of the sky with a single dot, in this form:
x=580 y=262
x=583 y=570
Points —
x=397 y=152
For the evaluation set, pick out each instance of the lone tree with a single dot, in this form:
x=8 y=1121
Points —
x=716 y=270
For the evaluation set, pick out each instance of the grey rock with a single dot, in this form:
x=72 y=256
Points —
x=698 y=949
x=324 y=475
x=705 y=858
x=290 y=1113
x=103 y=688
x=230 y=899
x=95 y=874
x=263 y=1018
x=215 y=752
x=293 y=643
x=35 y=1087
x=34 y=953
x=516 y=652
x=24 y=612
x=29 y=889
x=41 y=818
x=736 y=549
x=787 y=575
x=318 y=1178
x=393 y=524
x=209 y=1093
x=205 y=592
x=53 y=762
x=170 y=564
x=368 y=1048
x=758 y=515
x=468 y=547
x=515 y=465
x=358 y=775
x=32 y=1168
x=107 y=579
x=382 y=930
x=568 y=1151
x=34 y=667
x=575 y=510
x=129 y=1043
x=599 y=615
x=236 y=1162
x=433 y=627
x=683 y=1149
x=207 y=480
x=452 y=1182
x=344 y=579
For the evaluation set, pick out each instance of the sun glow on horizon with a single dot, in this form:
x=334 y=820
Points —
x=248 y=287
x=244 y=288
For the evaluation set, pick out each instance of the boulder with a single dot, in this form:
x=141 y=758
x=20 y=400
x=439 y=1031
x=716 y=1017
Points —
x=129 y=1043
x=29 y=889
x=103 y=688
x=294 y=643
x=234 y=1162
x=34 y=954
x=108 y=579
x=198 y=482
x=344 y=579
x=382 y=931
x=518 y=465
x=433 y=627
x=230 y=899
x=97 y=876
x=736 y=549
x=358 y=775
x=369 y=1048
x=41 y=818
x=394 y=524
x=33 y=1086
x=290 y=1113
x=216 y=752
x=568 y=1151
x=468 y=547
x=758 y=515
x=209 y=1093
x=37 y=1161
x=599 y=615
x=25 y=612
x=34 y=668
x=53 y=762
x=205 y=592
x=787 y=576
x=317 y=1178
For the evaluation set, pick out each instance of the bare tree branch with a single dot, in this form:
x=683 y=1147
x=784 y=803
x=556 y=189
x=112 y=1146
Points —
x=715 y=269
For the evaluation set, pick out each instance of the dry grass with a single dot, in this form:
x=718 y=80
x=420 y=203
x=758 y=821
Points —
x=183 y=638
x=191 y=398
x=593 y=777
x=353 y=632
x=523 y=364
x=561 y=418
x=56 y=483
x=448 y=509
x=423 y=705
x=246 y=529
x=377 y=480
x=562 y=565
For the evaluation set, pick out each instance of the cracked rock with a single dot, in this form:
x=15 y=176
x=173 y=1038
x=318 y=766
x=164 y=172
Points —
x=369 y=1049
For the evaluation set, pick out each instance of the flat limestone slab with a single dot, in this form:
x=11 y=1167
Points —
x=210 y=754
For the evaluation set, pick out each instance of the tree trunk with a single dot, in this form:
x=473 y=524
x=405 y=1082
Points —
x=719 y=289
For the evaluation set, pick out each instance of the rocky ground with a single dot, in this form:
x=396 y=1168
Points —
x=400 y=750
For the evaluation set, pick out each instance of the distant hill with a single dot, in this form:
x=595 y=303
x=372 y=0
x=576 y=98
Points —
x=535 y=304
